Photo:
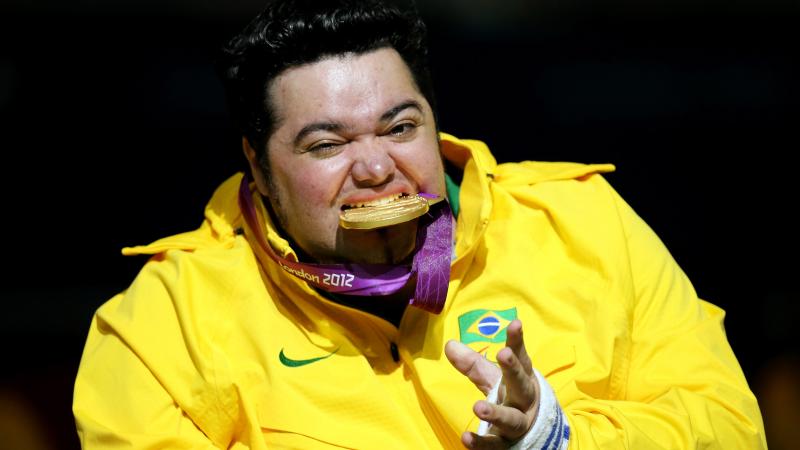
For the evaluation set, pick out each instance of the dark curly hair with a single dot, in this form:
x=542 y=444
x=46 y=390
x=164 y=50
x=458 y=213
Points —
x=290 y=33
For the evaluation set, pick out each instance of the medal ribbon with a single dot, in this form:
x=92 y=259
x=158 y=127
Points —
x=431 y=263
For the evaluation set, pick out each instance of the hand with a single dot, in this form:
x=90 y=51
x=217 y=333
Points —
x=516 y=414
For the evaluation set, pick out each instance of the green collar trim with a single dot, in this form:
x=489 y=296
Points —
x=452 y=193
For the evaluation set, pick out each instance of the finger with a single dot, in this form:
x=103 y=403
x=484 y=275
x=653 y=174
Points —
x=521 y=387
x=478 y=369
x=489 y=442
x=515 y=342
x=507 y=422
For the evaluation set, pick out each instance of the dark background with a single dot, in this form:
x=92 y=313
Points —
x=113 y=132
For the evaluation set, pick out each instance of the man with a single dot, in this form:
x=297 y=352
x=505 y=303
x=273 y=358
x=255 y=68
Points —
x=284 y=321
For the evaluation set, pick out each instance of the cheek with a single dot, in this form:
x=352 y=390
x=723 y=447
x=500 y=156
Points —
x=312 y=186
x=424 y=165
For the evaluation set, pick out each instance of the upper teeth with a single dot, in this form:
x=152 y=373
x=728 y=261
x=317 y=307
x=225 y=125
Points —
x=376 y=202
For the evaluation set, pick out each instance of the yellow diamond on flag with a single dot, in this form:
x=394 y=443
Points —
x=489 y=326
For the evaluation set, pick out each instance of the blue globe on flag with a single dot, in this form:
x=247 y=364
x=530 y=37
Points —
x=489 y=326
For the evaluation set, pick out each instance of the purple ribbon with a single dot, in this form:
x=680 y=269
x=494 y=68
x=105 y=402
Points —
x=431 y=263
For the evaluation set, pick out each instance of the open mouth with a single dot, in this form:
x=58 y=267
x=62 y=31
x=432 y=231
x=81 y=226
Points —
x=377 y=202
x=383 y=212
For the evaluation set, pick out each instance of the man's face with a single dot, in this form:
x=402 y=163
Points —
x=349 y=130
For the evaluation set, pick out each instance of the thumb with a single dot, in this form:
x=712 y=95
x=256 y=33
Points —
x=478 y=369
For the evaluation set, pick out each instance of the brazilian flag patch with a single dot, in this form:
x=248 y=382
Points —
x=484 y=330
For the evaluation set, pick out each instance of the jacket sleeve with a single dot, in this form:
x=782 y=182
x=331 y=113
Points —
x=144 y=381
x=118 y=403
x=684 y=387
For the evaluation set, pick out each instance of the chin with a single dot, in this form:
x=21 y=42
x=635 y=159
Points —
x=390 y=245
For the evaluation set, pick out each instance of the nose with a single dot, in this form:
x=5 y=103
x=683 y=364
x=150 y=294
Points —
x=373 y=166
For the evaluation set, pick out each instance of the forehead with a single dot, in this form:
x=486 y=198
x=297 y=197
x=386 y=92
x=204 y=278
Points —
x=350 y=85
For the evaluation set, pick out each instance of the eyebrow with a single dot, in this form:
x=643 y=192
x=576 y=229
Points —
x=314 y=127
x=388 y=115
x=336 y=126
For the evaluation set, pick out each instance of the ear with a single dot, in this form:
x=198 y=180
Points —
x=255 y=168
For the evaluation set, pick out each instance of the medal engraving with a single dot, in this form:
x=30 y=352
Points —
x=398 y=211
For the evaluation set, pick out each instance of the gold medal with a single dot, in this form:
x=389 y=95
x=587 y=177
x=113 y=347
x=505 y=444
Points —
x=397 y=211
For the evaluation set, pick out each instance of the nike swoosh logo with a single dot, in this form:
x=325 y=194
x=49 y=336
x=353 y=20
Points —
x=289 y=362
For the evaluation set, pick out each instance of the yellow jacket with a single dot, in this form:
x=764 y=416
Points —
x=208 y=348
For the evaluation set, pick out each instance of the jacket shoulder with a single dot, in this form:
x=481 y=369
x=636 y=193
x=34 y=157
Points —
x=533 y=172
x=168 y=331
x=221 y=219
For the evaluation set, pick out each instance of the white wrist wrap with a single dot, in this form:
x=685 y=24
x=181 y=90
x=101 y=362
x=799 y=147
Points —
x=550 y=431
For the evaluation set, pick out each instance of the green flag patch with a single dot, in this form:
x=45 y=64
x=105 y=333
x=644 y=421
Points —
x=485 y=325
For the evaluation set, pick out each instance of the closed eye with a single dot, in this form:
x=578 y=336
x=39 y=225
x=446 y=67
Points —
x=325 y=148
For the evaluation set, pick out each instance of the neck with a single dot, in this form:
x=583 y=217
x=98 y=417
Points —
x=388 y=307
